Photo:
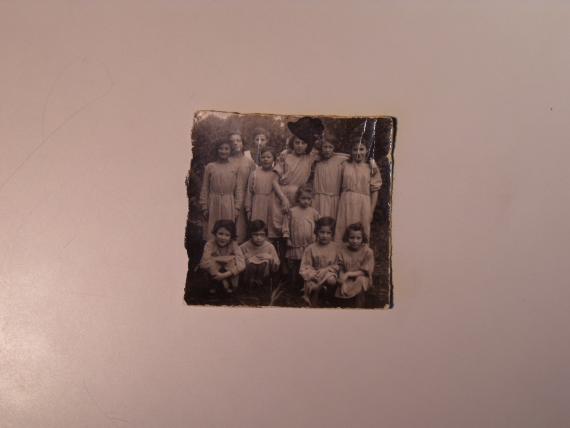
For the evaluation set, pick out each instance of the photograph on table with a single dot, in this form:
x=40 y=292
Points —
x=290 y=210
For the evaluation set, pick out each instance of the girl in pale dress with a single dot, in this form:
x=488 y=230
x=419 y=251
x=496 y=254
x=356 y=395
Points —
x=245 y=166
x=223 y=259
x=299 y=232
x=319 y=266
x=294 y=168
x=359 y=191
x=294 y=164
x=261 y=259
x=261 y=192
x=356 y=264
x=327 y=177
x=221 y=193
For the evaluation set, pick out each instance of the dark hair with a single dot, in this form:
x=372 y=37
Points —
x=259 y=130
x=355 y=227
x=292 y=139
x=354 y=142
x=324 y=221
x=242 y=139
x=229 y=225
x=303 y=189
x=268 y=149
x=257 y=226
x=219 y=144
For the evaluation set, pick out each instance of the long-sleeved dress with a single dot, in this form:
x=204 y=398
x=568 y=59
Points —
x=259 y=199
x=294 y=171
x=219 y=259
x=354 y=205
x=300 y=230
x=221 y=193
x=327 y=182
x=319 y=263
x=350 y=261
x=245 y=166
x=260 y=260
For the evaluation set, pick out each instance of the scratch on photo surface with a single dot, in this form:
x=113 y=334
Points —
x=70 y=117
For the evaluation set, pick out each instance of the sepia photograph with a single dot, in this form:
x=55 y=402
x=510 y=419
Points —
x=291 y=211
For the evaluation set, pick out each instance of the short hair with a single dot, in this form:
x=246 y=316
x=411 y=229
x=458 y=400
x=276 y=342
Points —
x=324 y=221
x=268 y=149
x=235 y=133
x=292 y=139
x=356 y=141
x=257 y=226
x=259 y=130
x=240 y=135
x=229 y=225
x=303 y=189
x=355 y=227
x=220 y=143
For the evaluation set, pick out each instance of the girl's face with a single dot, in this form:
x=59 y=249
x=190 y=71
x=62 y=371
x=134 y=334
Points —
x=223 y=237
x=236 y=143
x=355 y=239
x=327 y=150
x=258 y=238
x=324 y=235
x=224 y=151
x=299 y=147
x=260 y=140
x=267 y=160
x=359 y=152
x=305 y=200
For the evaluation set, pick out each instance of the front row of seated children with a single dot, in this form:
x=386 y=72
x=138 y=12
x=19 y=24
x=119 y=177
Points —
x=326 y=267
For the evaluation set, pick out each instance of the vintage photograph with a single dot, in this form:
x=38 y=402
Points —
x=290 y=211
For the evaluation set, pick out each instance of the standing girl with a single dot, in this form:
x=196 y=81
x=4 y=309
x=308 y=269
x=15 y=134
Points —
x=261 y=192
x=359 y=190
x=356 y=263
x=245 y=165
x=327 y=177
x=221 y=193
x=223 y=259
x=299 y=231
x=294 y=164
x=261 y=259
x=319 y=266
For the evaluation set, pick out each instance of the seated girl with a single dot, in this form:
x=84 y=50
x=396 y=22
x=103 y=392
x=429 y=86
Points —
x=356 y=264
x=261 y=259
x=223 y=259
x=319 y=264
x=327 y=177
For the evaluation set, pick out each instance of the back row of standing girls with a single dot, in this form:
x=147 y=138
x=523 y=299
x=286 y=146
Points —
x=234 y=187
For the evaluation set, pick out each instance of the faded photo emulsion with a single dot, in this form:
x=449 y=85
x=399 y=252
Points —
x=290 y=211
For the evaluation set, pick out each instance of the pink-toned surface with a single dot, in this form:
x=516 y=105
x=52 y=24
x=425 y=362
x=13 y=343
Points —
x=96 y=102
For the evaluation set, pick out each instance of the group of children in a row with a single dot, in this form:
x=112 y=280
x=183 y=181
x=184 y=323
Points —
x=340 y=270
x=288 y=193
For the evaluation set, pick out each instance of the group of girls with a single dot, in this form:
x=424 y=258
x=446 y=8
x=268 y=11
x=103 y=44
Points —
x=308 y=206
